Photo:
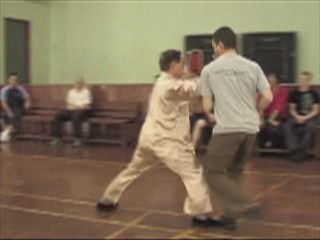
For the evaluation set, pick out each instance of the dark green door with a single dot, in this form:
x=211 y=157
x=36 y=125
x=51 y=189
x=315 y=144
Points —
x=17 y=49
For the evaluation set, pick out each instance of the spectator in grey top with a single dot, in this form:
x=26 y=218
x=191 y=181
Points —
x=234 y=82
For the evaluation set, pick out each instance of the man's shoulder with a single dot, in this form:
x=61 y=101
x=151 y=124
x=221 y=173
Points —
x=207 y=66
x=247 y=61
x=5 y=88
x=238 y=59
x=71 y=90
x=86 y=89
x=21 y=88
x=4 y=91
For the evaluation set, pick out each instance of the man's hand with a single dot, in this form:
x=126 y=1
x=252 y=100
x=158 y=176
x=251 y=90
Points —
x=211 y=118
x=300 y=119
x=10 y=114
x=274 y=123
x=27 y=105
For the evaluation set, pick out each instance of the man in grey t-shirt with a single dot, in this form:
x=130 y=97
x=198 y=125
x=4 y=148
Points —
x=234 y=82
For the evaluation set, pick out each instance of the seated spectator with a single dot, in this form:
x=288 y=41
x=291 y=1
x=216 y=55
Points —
x=78 y=104
x=304 y=109
x=274 y=117
x=14 y=101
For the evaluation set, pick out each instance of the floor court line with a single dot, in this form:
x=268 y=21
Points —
x=87 y=203
x=131 y=224
x=63 y=215
x=183 y=234
x=75 y=217
x=273 y=187
x=272 y=224
x=93 y=162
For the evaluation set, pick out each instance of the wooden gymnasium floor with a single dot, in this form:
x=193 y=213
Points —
x=51 y=192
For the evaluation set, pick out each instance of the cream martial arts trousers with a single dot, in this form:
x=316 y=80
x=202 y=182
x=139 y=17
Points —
x=179 y=159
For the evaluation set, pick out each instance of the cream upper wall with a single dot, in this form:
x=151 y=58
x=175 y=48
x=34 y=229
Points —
x=38 y=16
x=120 y=42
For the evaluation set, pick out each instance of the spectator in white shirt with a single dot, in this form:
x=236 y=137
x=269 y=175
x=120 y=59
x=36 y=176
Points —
x=78 y=103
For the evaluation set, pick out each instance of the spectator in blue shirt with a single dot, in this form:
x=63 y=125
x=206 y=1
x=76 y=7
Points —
x=14 y=101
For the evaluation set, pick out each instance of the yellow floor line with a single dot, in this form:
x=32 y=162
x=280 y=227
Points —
x=131 y=224
x=272 y=188
x=122 y=164
x=91 y=204
x=183 y=234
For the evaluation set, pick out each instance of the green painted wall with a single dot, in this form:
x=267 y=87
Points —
x=38 y=15
x=119 y=42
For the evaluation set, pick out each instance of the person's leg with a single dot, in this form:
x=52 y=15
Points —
x=291 y=136
x=243 y=154
x=223 y=167
x=262 y=136
x=265 y=136
x=7 y=128
x=60 y=117
x=274 y=135
x=181 y=160
x=7 y=121
x=197 y=131
x=279 y=135
x=207 y=134
x=307 y=137
x=143 y=160
x=17 y=119
x=77 y=118
x=183 y=163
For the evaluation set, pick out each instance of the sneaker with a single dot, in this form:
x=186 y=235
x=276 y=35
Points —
x=223 y=222
x=250 y=209
x=55 y=142
x=5 y=136
x=106 y=206
x=77 y=143
x=268 y=144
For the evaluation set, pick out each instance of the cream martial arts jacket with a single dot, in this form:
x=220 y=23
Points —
x=168 y=113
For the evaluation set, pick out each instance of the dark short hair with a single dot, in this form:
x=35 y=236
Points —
x=13 y=74
x=167 y=57
x=306 y=73
x=225 y=35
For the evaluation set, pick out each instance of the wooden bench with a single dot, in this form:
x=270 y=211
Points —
x=115 y=116
x=115 y=122
x=37 y=121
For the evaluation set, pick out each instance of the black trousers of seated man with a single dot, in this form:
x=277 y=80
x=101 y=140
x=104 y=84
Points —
x=76 y=117
x=299 y=136
x=274 y=134
x=16 y=120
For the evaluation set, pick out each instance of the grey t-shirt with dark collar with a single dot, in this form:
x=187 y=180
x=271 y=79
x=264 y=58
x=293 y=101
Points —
x=234 y=81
